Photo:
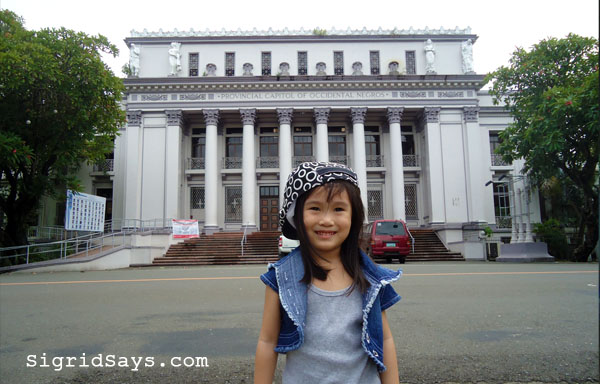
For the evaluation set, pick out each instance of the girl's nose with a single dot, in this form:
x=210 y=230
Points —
x=326 y=218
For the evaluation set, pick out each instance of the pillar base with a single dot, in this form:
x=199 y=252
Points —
x=524 y=253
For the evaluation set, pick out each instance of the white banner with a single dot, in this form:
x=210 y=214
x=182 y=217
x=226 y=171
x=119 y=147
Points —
x=185 y=229
x=84 y=212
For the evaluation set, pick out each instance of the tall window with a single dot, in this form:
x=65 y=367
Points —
x=234 y=147
x=374 y=58
x=229 y=63
x=302 y=63
x=302 y=145
x=495 y=142
x=198 y=147
x=372 y=147
x=338 y=63
x=411 y=65
x=337 y=145
x=197 y=198
x=266 y=63
x=502 y=205
x=233 y=204
x=269 y=146
x=408 y=147
x=193 y=62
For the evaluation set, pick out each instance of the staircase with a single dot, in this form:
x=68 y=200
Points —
x=429 y=247
x=222 y=248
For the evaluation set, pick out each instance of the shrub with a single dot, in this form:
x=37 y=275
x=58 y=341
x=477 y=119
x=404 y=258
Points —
x=552 y=233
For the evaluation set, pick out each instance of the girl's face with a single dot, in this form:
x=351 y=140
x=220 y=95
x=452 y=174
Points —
x=327 y=223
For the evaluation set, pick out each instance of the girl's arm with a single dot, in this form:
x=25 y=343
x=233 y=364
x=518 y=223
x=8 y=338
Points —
x=266 y=357
x=390 y=376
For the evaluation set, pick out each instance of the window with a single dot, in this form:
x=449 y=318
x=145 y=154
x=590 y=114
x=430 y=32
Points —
x=338 y=63
x=234 y=147
x=193 y=61
x=374 y=58
x=269 y=146
x=411 y=66
x=372 y=147
x=302 y=63
x=266 y=63
x=198 y=147
x=502 y=205
x=495 y=142
x=196 y=198
x=233 y=204
x=229 y=63
x=108 y=194
x=302 y=145
x=337 y=148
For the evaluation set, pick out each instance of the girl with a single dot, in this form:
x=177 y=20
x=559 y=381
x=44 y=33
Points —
x=325 y=302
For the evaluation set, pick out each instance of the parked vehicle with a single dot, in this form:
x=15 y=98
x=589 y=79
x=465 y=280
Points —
x=286 y=245
x=387 y=238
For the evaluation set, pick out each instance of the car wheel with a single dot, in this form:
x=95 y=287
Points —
x=389 y=259
x=402 y=259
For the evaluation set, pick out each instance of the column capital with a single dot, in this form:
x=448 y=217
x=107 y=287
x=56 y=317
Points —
x=358 y=115
x=322 y=115
x=248 y=116
x=471 y=114
x=174 y=117
x=395 y=114
x=285 y=115
x=432 y=114
x=134 y=118
x=211 y=116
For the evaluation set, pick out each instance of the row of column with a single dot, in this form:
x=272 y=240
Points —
x=285 y=116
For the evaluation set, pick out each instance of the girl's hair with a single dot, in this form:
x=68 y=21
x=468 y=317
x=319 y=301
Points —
x=350 y=252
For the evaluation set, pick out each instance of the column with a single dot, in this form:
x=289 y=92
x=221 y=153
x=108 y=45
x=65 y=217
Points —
x=514 y=235
x=474 y=165
x=248 y=171
x=521 y=221
x=133 y=173
x=172 y=164
x=437 y=214
x=285 y=148
x=211 y=173
x=360 y=156
x=528 y=235
x=321 y=118
x=397 y=163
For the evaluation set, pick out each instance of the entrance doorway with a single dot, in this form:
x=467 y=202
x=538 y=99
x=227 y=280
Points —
x=269 y=208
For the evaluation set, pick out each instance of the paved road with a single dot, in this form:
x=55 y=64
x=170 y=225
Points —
x=457 y=322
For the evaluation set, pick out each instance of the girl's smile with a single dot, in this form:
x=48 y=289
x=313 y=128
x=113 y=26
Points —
x=327 y=223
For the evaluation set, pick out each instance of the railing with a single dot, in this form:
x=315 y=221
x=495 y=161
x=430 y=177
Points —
x=243 y=240
x=497 y=161
x=297 y=160
x=503 y=222
x=410 y=160
x=107 y=165
x=195 y=163
x=412 y=240
x=339 y=159
x=232 y=162
x=267 y=162
x=76 y=246
x=374 y=161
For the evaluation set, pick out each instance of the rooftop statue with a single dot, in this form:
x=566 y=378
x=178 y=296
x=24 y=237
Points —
x=357 y=68
x=467 y=57
x=175 y=59
x=134 y=60
x=429 y=57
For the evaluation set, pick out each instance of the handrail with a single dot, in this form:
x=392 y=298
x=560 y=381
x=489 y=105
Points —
x=243 y=240
x=412 y=240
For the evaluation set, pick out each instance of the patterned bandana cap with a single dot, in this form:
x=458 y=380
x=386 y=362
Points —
x=305 y=177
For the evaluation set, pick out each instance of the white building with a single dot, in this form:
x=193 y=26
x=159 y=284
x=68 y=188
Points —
x=217 y=120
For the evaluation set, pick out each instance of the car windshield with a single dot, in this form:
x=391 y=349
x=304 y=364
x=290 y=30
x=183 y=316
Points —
x=390 y=228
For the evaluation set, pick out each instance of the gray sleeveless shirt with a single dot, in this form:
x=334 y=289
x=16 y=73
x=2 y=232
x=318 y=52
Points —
x=332 y=351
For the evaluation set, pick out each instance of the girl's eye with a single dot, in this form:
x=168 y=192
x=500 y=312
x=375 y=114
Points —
x=339 y=209
x=313 y=208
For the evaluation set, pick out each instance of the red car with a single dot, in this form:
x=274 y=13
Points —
x=387 y=238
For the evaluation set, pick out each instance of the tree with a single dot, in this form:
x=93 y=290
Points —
x=59 y=108
x=551 y=92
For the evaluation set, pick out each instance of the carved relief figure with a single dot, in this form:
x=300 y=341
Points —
x=429 y=57
x=393 y=68
x=321 y=67
x=211 y=70
x=357 y=68
x=248 y=69
x=174 y=59
x=134 y=60
x=467 y=57
x=284 y=69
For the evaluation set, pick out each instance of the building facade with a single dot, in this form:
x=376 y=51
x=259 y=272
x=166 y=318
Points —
x=217 y=120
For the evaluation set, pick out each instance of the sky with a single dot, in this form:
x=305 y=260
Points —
x=501 y=25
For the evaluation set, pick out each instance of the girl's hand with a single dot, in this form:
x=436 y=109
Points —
x=390 y=376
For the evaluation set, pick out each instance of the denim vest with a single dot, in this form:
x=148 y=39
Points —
x=284 y=277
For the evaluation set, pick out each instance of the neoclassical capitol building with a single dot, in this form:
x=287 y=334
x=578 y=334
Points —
x=217 y=120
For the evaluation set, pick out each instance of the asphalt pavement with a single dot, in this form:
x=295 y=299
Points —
x=473 y=322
